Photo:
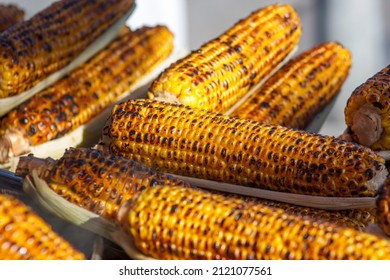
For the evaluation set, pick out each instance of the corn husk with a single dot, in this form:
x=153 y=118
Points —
x=321 y=202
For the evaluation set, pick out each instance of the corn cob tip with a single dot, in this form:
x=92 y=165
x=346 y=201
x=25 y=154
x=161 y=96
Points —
x=164 y=96
x=10 y=14
x=12 y=143
x=366 y=127
x=28 y=163
x=366 y=111
x=123 y=212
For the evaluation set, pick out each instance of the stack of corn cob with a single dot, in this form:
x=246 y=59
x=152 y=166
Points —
x=55 y=39
x=50 y=40
x=85 y=93
x=163 y=217
x=181 y=129
x=367 y=119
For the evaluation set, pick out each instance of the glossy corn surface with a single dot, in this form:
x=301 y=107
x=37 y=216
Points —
x=24 y=235
x=383 y=208
x=177 y=223
x=358 y=219
x=300 y=89
x=192 y=142
x=87 y=91
x=96 y=181
x=51 y=39
x=10 y=14
x=221 y=71
x=366 y=112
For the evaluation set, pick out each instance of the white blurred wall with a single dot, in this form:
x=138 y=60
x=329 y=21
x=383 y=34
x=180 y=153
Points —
x=359 y=26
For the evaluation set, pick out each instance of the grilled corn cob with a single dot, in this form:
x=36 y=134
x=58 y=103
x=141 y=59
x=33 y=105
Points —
x=366 y=113
x=218 y=74
x=32 y=50
x=300 y=89
x=383 y=209
x=10 y=14
x=95 y=180
x=192 y=142
x=86 y=92
x=92 y=191
x=177 y=223
x=24 y=235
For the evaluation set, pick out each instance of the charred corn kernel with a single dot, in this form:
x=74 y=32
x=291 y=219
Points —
x=367 y=112
x=218 y=74
x=193 y=142
x=50 y=40
x=10 y=14
x=300 y=89
x=383 y=207
x=86 y=92
x=177 y=223
x=24 y=235
x=94 y=180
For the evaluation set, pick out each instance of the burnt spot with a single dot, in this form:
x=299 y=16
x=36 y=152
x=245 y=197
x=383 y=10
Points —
x=298 y=141
x=369 y=174
x=195 y=146
x=238 y=216
x=23 y=121
x=272 y=131
x=32 y=130
x=378 y=105
x=173 y=209
x=47 y=47
x=61 y=117
x=138 y=138
x=264 y=104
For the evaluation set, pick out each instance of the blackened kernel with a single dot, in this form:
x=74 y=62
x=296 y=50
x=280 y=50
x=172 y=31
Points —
x=223 y=152
x=173 y=209
x=47 y=47
x=23 y=121
x=138 y=138
x=264 y=104
x=316 y=154
x=32 y=130
x=195 y=146
x=369 y=174
x=238 y=48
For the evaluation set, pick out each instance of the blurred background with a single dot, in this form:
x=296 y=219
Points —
x=363 y=26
